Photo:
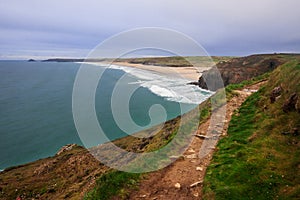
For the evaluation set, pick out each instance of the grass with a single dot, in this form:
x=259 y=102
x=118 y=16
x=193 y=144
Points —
x=256 y=161
x=231 y=87
x=225 y=167
x=118 y=184
x=178 y=61
x=244 y=166
x=113 y=183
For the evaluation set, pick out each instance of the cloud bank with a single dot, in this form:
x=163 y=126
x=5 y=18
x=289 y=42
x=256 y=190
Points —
x=71 y=28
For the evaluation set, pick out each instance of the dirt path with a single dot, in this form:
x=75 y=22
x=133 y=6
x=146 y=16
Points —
x=174 y=181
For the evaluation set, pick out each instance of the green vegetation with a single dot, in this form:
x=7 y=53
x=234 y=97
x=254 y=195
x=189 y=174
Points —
x=113 y=183
x=177 y=61
x=58 y=177
x=255 y=160
x=231 y=87
x=118 y=184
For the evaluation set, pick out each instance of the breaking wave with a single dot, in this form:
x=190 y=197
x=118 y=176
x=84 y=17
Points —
x=171 y=88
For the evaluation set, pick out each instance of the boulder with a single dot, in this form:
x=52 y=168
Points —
x=290 y=103
x=276 y=92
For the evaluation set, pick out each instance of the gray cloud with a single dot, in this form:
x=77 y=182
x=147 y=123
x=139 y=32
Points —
x=229 y=27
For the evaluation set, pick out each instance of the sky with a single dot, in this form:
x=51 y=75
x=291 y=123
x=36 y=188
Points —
x=72 y=28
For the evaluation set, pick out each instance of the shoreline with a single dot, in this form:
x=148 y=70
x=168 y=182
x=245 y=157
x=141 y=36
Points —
x=189 y=73
x=167 y=71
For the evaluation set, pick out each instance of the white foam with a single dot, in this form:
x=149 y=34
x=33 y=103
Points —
x=172 y=88
x=160 y=90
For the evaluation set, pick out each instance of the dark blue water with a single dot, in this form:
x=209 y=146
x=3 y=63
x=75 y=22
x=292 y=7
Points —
x=36 y=108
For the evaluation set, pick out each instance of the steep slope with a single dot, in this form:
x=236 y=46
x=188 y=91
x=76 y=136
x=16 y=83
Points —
x=183 y=178
x=68 y=174
x=74 y=171
x=259 y=159
x=239 y=69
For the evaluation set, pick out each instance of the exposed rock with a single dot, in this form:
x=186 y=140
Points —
x=276 y=92
x=31 y=60
x=238 y=69
x=191 y=156
x=211 y=80
x=67 y=147
x=194 y=83
x=177 y=185
x=202 y=136
x=290 y=103
x=196 y=183
x=191 y=151
x=199 y=168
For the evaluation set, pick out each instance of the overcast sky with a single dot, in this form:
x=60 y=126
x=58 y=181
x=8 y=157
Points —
x=71 y=28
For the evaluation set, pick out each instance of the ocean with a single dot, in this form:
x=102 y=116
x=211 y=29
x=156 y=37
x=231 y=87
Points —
x=36 y=105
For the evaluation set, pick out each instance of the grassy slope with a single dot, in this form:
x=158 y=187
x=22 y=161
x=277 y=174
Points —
x=256 y=161
x=60 y=177
x=123 y=182
x=117 y=183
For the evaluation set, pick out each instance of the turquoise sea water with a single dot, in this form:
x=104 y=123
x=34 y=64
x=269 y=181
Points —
x=36 y=107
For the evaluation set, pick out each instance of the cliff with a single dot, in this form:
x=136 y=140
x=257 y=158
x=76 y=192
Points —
x=72 y=172
x=237 y=70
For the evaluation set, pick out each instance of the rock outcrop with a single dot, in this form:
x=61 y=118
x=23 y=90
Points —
x=290 y=103
x=239 y=69
x=276 y=92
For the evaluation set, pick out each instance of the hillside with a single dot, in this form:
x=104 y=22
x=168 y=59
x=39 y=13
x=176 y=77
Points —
x=68 y=174
x=259 y=159
x=263 y=139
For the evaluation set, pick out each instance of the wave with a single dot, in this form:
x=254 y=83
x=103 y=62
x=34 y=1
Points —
x=171 y=88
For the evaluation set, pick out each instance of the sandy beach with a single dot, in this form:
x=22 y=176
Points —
x=190 y=73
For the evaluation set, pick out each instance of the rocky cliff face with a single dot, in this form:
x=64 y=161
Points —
x=239 y=69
